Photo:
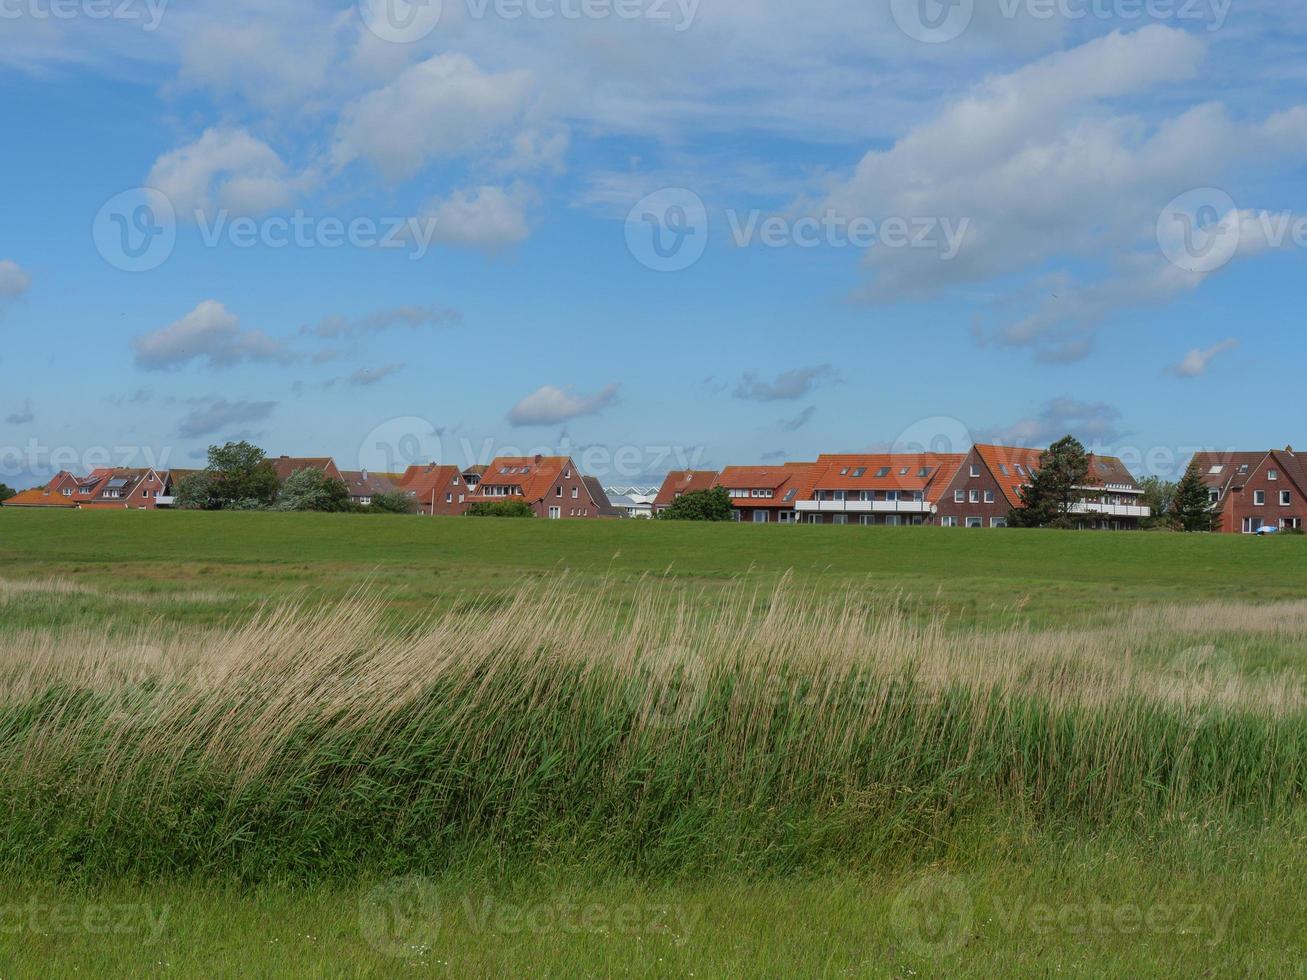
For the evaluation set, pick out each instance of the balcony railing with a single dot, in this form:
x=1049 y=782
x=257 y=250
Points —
x=1111 y=510
x=162 y=501
x=864 y=507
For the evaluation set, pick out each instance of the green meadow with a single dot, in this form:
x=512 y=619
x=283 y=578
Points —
x=283 y=744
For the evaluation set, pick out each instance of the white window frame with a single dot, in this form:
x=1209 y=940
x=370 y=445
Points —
x=1259 y=498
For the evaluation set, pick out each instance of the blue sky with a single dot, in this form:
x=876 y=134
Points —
x=1042 y=161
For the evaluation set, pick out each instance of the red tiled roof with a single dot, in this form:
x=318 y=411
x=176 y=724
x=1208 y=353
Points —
x=534 y=475
x=1003 y=463
x=901 y=471
x=363 y=483
x=286 y=466
x=40 y=497
x=423 y=481
x=683 y=481
x=789 y=483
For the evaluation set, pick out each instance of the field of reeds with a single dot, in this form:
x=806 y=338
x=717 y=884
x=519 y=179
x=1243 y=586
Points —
x=768 y=731
x=287 y=749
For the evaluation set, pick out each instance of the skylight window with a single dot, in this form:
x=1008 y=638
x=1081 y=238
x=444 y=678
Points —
x=904 y=471
x=882 y=473
x=1216 y=470
x=859 y=472
x=1002 y=468
x=923 y=472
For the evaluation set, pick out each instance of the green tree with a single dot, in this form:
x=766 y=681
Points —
x=1191 y=507
x=497 y=508
x=314 y=490
x=6 y=492
x=395 y=502
x=1046 y=501
x=1158 y=495
x=700 y=505
x=196 y=492
x=241 y=475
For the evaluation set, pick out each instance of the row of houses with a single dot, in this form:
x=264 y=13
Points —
x=551 y=485
x=1252 y=491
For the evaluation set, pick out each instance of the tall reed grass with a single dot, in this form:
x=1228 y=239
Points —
x=768 y=732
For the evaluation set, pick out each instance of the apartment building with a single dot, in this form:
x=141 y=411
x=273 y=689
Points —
x=987 y=486
x=1252 y=491
x=886 y=489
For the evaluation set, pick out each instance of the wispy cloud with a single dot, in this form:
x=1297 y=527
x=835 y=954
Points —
x=213 y=414
x=22 y=417
x=334 y=327
x=787 y=386
x=1195 y=363
x=800 y=420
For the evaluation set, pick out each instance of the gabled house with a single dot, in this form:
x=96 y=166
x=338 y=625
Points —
x=363 y=485
x=766 y=494
x=1255 y=490
x=472 y=475
x=122 y=489
x=680 y=482
x=551 y=485
x=59 y=492
x=987 y=487
x=437 y=490
x=879 y=488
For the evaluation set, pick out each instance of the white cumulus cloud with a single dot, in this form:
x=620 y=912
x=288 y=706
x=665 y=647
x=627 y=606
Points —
x=549 y=405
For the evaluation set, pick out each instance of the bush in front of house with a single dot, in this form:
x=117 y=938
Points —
x=500 y=508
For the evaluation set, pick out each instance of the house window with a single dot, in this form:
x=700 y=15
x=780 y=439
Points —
x=1251 y=525
x=975 y=496
x=998 y=522
x=975 y=472
x=1213 y=495
x=893 y=520
x=959 y=496
x=1286 y=498
x=365 y=501
x=449 y=498
x=892 y=496
x=867 y=519
x=989 y=496
x=575 y=493
x=841 y=519
x=558 y=491
x=975 y=522
x=1272 y=474
x=948 y=522
x=567 y=474
x=1259 y=497
x=760 y=517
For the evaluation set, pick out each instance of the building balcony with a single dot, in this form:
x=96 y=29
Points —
x=1111 y=510
x=864 y=507
x=162 y=501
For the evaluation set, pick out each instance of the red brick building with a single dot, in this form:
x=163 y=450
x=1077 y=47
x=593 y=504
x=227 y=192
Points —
x=437 y=490
x=680 y=482
x=121 y=489
x=551 y=485
x=1255 y=490
x=57 y=493
x=869 y=489
x=988 y=485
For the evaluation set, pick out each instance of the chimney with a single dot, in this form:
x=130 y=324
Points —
x=364 y=474
x=538 y=459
